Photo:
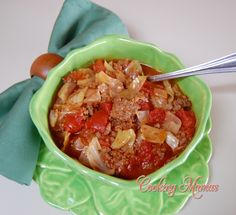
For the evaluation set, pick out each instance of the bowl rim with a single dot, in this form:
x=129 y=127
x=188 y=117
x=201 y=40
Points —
x=36 y=108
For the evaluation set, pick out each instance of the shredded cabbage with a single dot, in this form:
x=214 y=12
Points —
x=134 y=87
x=78 y=144
x=85 y=82
x=103 y=88
x=152 y=134
x=108 y=67
x=143 y=116
x=53 y=117
x=115 y=85
x=160 y=93
x=66 y=140
x=87 y=71
x=124 y=137
x=137 y=83
x=83 y=157
x=158 y=101
x=134 y=68
x=172 y=140
x=120 y=76
x=66 y=90
x=92 y=95
x=172 y=123
x=95 y=159
x=169 y=90
x=77 y=97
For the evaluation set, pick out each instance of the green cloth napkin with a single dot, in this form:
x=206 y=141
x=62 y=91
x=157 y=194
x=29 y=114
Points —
x=79 y=23
x=19 y=139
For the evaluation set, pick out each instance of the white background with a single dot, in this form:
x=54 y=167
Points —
x=196 y=31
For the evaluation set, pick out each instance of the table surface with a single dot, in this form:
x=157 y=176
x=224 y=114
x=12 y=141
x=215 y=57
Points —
x=196 y=31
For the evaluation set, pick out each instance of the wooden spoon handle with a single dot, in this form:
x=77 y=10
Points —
x=43 y=64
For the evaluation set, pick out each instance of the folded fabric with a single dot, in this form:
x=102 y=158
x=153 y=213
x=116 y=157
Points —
x=19 y=139
x=79 y=23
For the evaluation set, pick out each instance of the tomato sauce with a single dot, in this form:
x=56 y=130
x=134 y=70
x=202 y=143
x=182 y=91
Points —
x=112 y=119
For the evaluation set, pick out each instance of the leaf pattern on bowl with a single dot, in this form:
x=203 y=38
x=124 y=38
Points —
x=64 y=189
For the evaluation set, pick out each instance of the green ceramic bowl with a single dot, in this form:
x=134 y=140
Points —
x=114 y=47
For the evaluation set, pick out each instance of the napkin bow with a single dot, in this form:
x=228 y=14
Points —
x=79 y=23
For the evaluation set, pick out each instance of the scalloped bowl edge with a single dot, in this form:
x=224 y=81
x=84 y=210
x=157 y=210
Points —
x=111 y=47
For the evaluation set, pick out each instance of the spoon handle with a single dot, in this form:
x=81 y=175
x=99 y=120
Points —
x=221 y=65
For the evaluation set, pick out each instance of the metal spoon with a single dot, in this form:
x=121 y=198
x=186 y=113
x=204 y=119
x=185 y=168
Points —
x=221 y=65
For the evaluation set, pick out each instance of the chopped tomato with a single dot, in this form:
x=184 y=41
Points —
x=106 y=106
x=187 y=117
x=74 y=76
x=73 y=122
x=98 y=121
x=145 y=105
x=147 y=70
x=188 y=121
x=157 y=115
x=142 y=163
x=98 y=66
x=189 y=132
x=133 y=170
x=148 y=87
x=145 y=151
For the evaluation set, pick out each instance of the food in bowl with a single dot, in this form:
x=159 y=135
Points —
x=110 y=118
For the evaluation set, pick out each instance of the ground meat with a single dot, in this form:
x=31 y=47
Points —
x=123 y=113
x=115 y=159
x=123 y=109
x=123 y=125
x=181 y=102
